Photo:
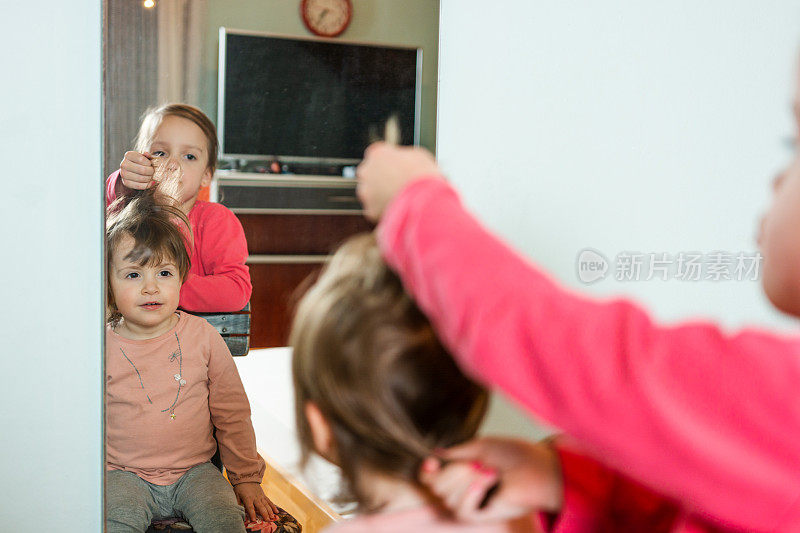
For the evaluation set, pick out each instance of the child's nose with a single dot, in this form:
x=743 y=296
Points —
x=150 y=286
x=173 y=164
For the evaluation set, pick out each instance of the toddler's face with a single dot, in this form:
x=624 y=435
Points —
x=779 y=240
x=146 y=296
x=181 y=142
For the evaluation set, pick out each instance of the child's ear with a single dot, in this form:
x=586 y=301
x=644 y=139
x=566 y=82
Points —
x=321 y=432
x=206 y=181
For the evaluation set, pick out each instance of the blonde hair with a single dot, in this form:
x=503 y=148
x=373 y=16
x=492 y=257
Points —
x=149 y=218
x=369 y=359
x=152 y=118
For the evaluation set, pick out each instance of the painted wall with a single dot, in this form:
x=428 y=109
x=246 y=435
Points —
x=407 y=23
x=51 y=230
x=625 y=127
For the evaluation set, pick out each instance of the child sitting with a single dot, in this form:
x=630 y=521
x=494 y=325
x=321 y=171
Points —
x=375 y=393
x=185 y=139
x=170 y=384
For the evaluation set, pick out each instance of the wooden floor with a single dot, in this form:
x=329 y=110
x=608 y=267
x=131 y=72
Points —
x=288 y=493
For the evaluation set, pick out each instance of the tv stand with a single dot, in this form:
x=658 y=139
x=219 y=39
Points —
x=292 y=223
x=278 y=167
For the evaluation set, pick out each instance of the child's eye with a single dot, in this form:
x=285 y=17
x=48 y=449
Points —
x=165 y=273
x=191 y=157
x=159 y=153
x=131 y=275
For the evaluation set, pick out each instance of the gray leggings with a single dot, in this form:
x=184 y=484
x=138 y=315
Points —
x=202 y=496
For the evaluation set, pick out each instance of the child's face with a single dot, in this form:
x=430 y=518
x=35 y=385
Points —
x=181 y=141
x=146 y=296
x=779 y=240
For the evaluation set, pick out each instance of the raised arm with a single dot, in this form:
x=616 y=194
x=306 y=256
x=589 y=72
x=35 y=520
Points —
x=709 y=419
x=135 y=172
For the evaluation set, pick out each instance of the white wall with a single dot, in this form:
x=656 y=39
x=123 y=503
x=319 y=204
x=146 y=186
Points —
x=51 y=233
x=621 y=126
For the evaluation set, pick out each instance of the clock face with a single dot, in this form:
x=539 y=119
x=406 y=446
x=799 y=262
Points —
x=327 y=18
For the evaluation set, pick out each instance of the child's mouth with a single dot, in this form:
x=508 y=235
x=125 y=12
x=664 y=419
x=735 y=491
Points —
x=151 y=306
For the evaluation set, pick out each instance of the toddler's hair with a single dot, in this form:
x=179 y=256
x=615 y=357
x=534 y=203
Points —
x=370 y=360
x=151 y=219
x=152 y=118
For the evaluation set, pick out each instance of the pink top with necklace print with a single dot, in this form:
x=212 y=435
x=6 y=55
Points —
x=165 y=396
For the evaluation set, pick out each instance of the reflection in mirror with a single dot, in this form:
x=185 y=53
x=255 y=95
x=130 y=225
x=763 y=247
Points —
x=169 y=52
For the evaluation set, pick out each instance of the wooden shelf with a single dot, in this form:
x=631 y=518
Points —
x=287 y=252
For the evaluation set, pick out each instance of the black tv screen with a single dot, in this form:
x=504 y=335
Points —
x=312 y=100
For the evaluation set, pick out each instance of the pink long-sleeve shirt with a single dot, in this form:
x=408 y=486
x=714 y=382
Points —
x=164 y=398
x=598 y=499
x=218 y=279
x=707 y=418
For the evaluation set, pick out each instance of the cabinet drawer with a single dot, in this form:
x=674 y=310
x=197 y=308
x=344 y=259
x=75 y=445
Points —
x=271 y=198
x=299 y=234
x=276 y=290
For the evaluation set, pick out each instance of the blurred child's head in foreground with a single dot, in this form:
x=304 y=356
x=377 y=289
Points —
x=375 y=391
x=146 y=259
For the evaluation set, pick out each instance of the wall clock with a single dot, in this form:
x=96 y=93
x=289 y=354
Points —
x=326 y=18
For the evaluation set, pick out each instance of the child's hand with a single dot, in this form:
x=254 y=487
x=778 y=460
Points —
x=529 y=477
x=385 y=170
x=255 y=501
x=136 y=170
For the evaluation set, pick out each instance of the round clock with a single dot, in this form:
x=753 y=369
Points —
x=327 y=18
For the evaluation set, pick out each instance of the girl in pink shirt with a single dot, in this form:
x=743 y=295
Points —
x=170 y=384
x=704 y=417
x=184 y=139
x=375 y=393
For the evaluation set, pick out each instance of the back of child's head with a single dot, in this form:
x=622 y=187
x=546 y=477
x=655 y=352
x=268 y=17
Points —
x=151 y=220
x=153 y=117
x=369 y=359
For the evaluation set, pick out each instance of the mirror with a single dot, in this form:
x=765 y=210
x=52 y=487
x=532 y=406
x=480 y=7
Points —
x=159 y=51
x=169 y=52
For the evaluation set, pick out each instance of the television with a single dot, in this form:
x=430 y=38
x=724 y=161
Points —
x=312 y=100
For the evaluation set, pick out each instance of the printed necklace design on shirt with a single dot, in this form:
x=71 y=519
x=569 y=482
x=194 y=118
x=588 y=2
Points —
x=177 y=354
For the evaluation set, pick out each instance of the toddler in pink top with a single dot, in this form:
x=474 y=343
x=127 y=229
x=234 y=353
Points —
x=375 y=393
x=171 y=383
x=184 y=139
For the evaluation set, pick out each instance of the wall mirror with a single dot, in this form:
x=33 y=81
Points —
x=159 y=51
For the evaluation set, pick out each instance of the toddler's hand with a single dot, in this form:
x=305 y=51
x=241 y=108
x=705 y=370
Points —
x=529 y=477
x=385 y=170
x=255 y=501
x=136 y=170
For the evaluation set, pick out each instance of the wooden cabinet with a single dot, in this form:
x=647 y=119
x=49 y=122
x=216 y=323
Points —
x=292 y=224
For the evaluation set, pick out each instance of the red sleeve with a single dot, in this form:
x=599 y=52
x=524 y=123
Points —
x=710 y=419
x=221 y=282
x=598 y=499
x=113 y=187
x=230 y=414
